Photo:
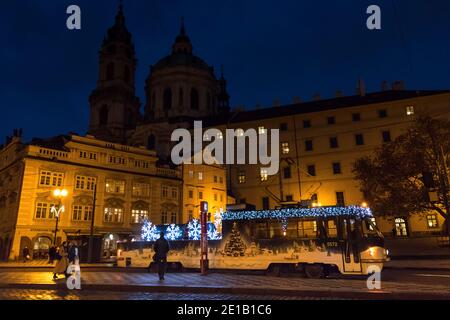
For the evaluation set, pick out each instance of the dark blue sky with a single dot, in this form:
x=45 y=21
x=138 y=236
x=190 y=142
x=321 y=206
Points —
x=270 y=49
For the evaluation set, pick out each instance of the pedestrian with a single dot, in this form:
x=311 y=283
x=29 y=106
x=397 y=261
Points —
x=51 y=254
x=62 y=264
x=73 y=253
x=161 y=248
x=26 y=254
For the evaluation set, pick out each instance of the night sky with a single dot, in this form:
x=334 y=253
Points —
x=270 y=49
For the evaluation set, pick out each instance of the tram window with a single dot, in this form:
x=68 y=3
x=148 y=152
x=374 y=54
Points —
x=292 y=229
x=275 y=231
x=332 y=228
x=261 y=231
x=307 y=229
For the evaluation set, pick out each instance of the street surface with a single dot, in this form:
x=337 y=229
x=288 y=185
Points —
x=107 y=284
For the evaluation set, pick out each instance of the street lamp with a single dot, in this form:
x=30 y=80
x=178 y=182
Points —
x=59 y=194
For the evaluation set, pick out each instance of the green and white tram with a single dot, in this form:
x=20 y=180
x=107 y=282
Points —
x=314 y=240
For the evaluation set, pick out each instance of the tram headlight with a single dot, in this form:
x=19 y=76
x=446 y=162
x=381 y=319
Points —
x=372 y=252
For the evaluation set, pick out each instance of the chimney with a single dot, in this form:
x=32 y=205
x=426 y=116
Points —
x=398 y=86
x=297 y=100
x=339 y=94
x=361 y=88
x=277 y=103
x=317 y=97
x=384 y=86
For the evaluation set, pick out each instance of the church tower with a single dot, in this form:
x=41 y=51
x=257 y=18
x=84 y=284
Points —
x=113 y=104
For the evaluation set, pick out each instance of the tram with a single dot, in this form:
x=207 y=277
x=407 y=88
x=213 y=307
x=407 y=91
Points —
x=316 y=241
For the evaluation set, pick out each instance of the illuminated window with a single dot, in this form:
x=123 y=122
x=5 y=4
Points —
x=51 y=179
x=242 y=177
x=85 y=183
x=200 y=176
x=239 y=132
x=332 y=228
x=432 y=221
x=139 y=216
x=307 y=229
x=220 y=135
x=264 y=175
x=285 y=147
x=410 y=110
x=43 y=211
x=113 y=215
x=115 y=186
x=262 y=130
x=401 y=229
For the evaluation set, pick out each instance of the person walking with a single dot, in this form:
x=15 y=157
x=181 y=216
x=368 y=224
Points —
x=161 y=248
x=62 y=264
x=51 y=254
x=73 y=253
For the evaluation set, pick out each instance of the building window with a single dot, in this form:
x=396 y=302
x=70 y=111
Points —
x=191 y=174
x=190 y=215
x=44 y=211
x=167 y=99
x=139 y=216
x=141 y=190
x=221 y=180
x=200 y=176
x=115 y=186
x=103 y=116
x=287 y=173
x=410 y=110
x=262 y=130
x=242 y=177
x=51 y=179
x=289 y=198
x=285 y=148
x=113 y=215
x=215 y=197
x=382 y=113
x=315 y=198
x=306 y=124
x=401 y=228
x=215 y=179
x=312 y=170
x=264 y=175
x=309 y=145
x=85 y=183
x=331 y=120
x=200 y=195
x=81 y=213
x=191 y=194
x=284 y=127
x=174 y=193
x=266 y=203
x=386 y=136
x=356 y=117
x=340 y=199
x=337 y=168
x=164 y=217
x=165 y=191
x=359 y=139
x=334 y=143
x=432 y=221
x=173 y=218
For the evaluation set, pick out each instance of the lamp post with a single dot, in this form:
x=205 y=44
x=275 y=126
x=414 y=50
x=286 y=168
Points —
x=59 y=194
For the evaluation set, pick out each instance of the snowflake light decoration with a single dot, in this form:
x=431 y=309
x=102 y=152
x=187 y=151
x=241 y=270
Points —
x=173 y=232
x=149 y=231
x=194 y=230
x=212 y=232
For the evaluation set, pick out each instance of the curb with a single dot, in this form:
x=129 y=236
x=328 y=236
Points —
x=325 y=294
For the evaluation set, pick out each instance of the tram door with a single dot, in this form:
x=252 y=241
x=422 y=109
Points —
x=351 y=253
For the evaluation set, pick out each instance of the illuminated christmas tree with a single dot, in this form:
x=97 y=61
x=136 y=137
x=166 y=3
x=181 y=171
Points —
x=235 y=247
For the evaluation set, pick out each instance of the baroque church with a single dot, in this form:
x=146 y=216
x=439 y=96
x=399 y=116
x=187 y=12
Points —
x=180 y=88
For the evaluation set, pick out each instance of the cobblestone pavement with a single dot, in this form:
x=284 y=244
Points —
x=427 y=283
x=42 y=295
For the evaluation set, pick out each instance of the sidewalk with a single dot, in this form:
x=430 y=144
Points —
x=228 y=284
x=423 y=264
x=44 y=264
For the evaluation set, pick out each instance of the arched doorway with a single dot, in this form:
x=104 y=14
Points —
x=25 y=242
x=41 y=245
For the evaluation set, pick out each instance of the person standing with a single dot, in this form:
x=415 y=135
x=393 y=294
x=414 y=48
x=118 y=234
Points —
x=62 y=264
x=26 y=254
x=161 y=248
x=51 y=254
